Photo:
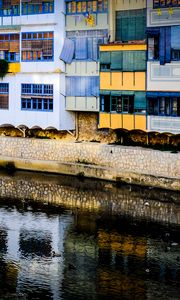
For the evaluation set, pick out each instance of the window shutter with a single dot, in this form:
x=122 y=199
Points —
x=118 y=26
x=81 y=48
x=162 y=46
x=175 y=37
x=105 y=57
x=139 y=60
x=116 y=60
x=79 y=86
x=140 y=100
x=168 y=45
x=130 y=25
x=125 y=29
x=128 y=61
x=67 y=51
x=132 y=28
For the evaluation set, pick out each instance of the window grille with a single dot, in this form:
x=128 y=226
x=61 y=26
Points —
x=4 y=95
x=37 y=46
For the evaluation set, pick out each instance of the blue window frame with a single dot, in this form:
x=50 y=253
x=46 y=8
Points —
x=4 y=95
x=37 y=97
x=42 y=7
x=166 y=3
x=86 y=6
x=167 y=105
x=164 y=44
x=9 y=8
x=37 y=46
x=4 y=88
x=9 y=47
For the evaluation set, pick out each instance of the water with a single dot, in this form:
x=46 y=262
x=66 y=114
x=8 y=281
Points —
x=111 y=243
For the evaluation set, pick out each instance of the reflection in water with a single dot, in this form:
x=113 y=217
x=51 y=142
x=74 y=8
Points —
x=99 y=254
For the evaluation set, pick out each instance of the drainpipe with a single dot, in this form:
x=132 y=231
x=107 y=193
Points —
x=77 y=125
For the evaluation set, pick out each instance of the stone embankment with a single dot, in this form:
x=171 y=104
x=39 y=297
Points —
x=133 y=165
x=97 y=197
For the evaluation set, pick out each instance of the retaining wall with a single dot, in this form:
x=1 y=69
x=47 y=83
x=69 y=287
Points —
x=110 y=162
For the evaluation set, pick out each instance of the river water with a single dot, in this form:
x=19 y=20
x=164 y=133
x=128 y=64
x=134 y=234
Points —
x=68 y=238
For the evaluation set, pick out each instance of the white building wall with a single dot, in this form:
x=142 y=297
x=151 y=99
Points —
x=164 y=124
x=162 y=17
x=52 y=72
x=58 y=118
x=163 y=78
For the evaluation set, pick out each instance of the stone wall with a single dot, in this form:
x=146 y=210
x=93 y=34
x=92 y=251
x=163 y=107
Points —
x=93 y=196
x=129 y=164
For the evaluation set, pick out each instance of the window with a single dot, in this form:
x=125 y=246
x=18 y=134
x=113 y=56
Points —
x=117 y=104
x=37 y=46
x=130 y=25
x=153 y=48
x=123 y=102
x=166 y=3
x=123 y=60
x=10 y=8
x=164 y=106
x=87 y=86
x=86 y=43
x=4 y=95
x=9 y=47
x=37 y=97
x=82 y=7
x=37 y=7
x=175 y=43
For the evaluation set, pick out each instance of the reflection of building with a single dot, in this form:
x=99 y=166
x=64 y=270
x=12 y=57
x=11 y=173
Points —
x=31 y=39
x=3 y=240
x=29 y=241
x=116 y=260
x=163 y=67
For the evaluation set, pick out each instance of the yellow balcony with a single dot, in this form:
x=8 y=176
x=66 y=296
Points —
x=124 y=121
x=131 y=81
x=14 y=68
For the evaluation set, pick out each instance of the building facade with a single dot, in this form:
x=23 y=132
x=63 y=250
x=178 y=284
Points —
x=123 y=68
x=163 y=66
x=117 y=60
x=86 y=29
x=31 y=39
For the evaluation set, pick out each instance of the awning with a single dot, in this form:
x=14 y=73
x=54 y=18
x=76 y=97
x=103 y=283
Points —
x=67 y=53
x=162 y=94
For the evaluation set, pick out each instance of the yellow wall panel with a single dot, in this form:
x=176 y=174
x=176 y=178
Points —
x=124 y=47
x=127 y=5
x=128 y=122
x=128 y=81
x=14 y=68
x=140 y=122
x=140 y=81
x=105 y=81
x=116 y=121
x=125 y=121
x=104 y=120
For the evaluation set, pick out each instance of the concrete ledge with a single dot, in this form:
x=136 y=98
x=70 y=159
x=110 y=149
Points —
x=93 y=171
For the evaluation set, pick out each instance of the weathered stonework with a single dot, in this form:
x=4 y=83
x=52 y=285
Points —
x=119 y=163
x=93 y=196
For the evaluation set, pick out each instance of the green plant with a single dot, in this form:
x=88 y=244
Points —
x=4 y=66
